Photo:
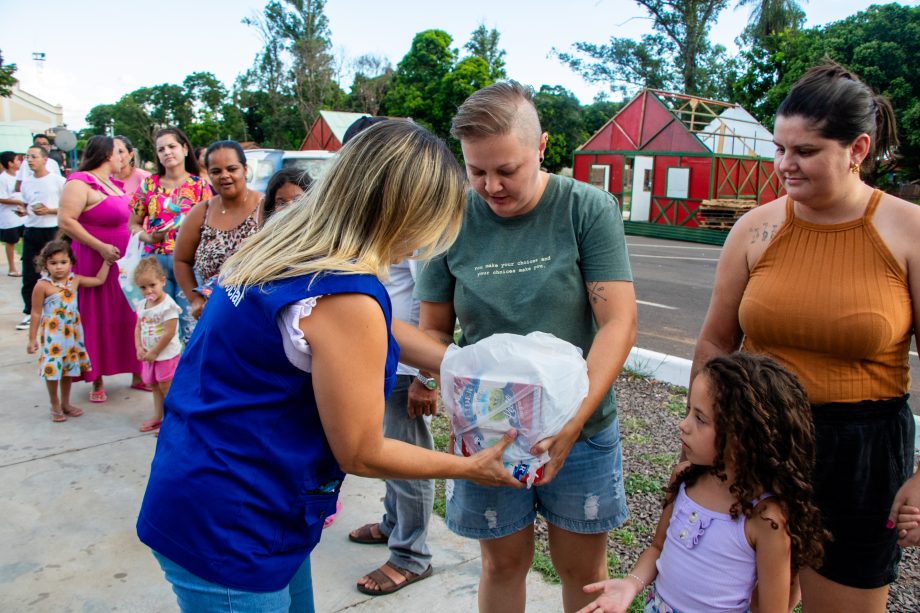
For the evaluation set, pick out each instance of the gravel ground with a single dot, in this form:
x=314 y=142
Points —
x=649 y=413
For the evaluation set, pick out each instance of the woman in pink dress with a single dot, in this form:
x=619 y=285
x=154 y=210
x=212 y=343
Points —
x=94 y=212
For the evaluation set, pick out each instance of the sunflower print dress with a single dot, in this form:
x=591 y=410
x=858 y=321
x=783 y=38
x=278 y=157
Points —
x=62 y=353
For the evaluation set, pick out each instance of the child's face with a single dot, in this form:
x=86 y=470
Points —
x=697 y=430
x=151 y=286
x=58 y=265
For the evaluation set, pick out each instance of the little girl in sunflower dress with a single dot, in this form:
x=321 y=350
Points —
x=55 y=328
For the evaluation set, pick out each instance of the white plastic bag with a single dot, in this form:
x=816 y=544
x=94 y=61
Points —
x=532 y=383
x=126 y=265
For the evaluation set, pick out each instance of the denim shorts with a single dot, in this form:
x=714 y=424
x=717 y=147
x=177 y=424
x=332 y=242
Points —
x=197 y=595
x=586 y=496
x=864 y=454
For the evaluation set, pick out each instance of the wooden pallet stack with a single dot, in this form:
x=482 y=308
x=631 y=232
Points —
x=723 y=213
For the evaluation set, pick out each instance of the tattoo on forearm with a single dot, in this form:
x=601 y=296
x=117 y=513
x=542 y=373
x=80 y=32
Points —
x=765 y=233
x=596 y=293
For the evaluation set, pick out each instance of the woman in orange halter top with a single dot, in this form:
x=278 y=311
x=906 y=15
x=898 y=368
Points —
x=821 y=280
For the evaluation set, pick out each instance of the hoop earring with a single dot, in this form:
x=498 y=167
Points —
x=854 y=168
x=541 y=159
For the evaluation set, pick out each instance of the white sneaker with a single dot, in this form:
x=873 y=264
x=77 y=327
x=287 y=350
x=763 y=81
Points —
x=24 y=324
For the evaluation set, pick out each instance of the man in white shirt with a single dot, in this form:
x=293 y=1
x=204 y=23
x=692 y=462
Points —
x=25 y=171
x=41 y=193
x=11 y=209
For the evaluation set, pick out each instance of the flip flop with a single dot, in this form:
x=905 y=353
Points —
x=142 y=387
x=58 y=416
x=365 y=536
x=97 y=396
x=14 y=274
x=387 y=585
x=150 y=425
x=73 y=411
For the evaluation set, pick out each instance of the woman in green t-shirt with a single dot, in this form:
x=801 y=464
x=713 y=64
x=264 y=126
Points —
x=537 y=252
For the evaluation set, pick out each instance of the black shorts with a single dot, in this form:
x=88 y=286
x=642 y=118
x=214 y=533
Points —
x=10 y=235
x=864 y=454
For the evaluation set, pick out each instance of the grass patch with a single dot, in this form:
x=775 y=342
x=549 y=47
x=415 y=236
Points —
x=613 y=562
x=635 y=438
x=543 y=565
x=624 y=536
x=677 y=405
x=641 y=484
x=638 y=370
x=633 y=423
x=441 y=440
x=665 y=460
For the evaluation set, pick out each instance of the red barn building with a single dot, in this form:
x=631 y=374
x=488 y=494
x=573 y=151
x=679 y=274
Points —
x=328 y=130
x=664 y=153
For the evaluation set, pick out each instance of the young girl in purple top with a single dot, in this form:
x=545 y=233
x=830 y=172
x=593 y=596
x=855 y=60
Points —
x=739 y=512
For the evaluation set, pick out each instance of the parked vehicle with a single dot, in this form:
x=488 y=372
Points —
x=263 y=163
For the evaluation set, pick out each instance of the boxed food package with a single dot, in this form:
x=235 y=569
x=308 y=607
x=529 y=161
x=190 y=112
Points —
x=532 y=383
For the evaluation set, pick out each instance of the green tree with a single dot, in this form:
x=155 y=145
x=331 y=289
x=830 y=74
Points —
x=208 y=97
x=7 y=80
x=677 y=54
x=262 y=96
x=372 y=78
x=624 y=65
x=880 y=45
x=562 y=118
x=415 y=88
x=470 y=74
x=483 y=43
x=100 y=119
x=769 y=17
x=297 y=45
x=598 y=113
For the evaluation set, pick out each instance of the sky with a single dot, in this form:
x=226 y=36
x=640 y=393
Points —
x=96 y=51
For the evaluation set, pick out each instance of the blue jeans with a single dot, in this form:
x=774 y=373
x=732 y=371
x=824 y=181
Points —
x=196 y=595
x=186 y=321
x=408 y=503
x=587 y=496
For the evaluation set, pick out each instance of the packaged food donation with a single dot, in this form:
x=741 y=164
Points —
x=532 y=383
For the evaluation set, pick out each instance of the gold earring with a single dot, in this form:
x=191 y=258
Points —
x=854 y=168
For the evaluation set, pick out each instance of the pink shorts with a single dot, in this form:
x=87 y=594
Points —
x=154 y=372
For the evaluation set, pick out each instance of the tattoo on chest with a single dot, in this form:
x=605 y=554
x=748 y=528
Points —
x=596 y=293
x=764 y=233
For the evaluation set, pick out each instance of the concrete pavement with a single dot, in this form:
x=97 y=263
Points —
x=71 y=492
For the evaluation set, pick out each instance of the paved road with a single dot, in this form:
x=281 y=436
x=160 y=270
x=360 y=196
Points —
x=673 y=285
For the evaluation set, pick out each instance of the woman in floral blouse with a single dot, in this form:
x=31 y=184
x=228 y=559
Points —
x=163 y=200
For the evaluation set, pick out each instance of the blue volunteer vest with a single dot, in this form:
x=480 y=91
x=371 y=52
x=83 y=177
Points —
x=243 y=475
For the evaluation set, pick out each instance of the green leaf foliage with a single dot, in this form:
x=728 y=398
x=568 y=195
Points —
x=7 y=80
x=676 y=56
x=880 y=45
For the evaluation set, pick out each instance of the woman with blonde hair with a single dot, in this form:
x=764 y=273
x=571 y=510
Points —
x=278 y=394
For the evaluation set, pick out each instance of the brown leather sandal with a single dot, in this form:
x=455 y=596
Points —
x=365 y=535
x=385 y=585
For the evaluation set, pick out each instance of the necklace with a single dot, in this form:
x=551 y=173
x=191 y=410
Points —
x=105 y=183
x=223 y=209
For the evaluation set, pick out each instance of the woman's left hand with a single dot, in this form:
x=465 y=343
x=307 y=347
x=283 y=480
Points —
x=558 y=447
x=109 y=253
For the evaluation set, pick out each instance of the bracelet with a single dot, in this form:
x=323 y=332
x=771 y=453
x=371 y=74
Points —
x=640 y=581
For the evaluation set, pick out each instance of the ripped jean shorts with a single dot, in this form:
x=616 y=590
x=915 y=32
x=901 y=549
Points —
x=586 y=497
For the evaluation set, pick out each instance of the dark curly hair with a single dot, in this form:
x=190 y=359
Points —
x=52 y=248
x=763 y=424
